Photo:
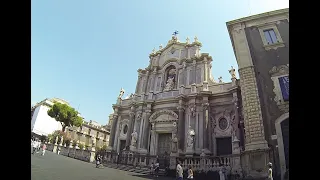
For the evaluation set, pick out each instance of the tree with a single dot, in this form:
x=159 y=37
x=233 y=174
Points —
x=66 y=115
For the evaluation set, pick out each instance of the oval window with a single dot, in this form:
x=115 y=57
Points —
x=223 y=123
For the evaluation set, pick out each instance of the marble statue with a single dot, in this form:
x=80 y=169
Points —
x=169 y=85
x=190 y=137
x=196 y=39
x=232 y=72
x=174 y=143
x=121 y=93
x=187 y=40
x=134 y=139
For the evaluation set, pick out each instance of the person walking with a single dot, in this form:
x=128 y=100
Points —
x=44 y=147
x=190 y=173
x=157 y=167
x=34 y=146
x=270 y=177
x=179 y=171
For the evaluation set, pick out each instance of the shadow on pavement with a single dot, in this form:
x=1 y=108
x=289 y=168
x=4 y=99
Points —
x=152 y=177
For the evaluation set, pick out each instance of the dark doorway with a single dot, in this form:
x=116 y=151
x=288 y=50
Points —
x=122 y=144
x=285 y=138
x=224 y=146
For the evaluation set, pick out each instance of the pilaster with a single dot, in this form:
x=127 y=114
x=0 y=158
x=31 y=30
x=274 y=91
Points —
x=130 y=129
x=181 y=126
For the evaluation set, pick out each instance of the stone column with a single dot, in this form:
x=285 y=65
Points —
x=146 y=129
x=113 y=130
x=181 y=126
x=130 y=129
x=252 y=111
x=205 y=106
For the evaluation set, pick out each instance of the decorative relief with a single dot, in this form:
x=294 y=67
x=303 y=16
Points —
x=278 y=72
x=170 y=114
x=192 y=109
x=222 y=122
x=139 y=115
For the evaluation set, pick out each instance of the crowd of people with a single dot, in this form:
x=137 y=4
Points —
x=37 y=146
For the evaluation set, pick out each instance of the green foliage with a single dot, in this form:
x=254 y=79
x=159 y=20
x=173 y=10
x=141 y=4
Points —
x=66 y=115
x=66 y=138
x=74 y=143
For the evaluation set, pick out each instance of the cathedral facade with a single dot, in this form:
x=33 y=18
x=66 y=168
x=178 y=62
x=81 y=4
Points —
x=178 y=108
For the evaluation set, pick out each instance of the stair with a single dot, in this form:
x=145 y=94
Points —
x=142 y=170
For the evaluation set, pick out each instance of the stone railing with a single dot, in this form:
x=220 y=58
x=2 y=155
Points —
x=73 y=152
x=208 y=163
x=198 y=163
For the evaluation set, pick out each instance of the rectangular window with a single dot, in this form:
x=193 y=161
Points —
x=284 y=86
x=271 y=36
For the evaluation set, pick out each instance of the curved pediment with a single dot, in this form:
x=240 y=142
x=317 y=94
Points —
x=174 y=50
x=163 y=116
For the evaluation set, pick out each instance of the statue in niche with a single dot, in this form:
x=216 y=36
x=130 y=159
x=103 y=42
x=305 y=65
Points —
x=174 y=142
x=170 y=81
x=191 y=134
x=134 y=138
x=174 y=147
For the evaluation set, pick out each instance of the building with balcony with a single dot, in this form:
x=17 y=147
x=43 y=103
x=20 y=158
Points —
x=89 y=133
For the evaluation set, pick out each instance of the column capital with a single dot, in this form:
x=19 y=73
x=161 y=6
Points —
x=205 y=106
x=131 y=114
x=181 y=108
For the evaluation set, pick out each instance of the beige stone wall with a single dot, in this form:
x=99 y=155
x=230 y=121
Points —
x=251 y=105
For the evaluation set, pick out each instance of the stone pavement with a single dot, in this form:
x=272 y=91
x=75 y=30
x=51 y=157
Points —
x=58 y=167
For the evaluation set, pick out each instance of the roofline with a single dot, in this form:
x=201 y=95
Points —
x=250 y=18
x=258 y=16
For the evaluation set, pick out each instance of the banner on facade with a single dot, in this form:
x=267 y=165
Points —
x=284 y=85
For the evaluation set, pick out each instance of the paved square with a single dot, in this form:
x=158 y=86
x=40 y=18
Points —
x=58 y=167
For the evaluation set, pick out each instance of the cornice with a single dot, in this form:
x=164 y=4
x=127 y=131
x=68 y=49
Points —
x=258 y=16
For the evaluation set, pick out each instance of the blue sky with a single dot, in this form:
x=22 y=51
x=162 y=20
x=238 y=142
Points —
x=85 y=51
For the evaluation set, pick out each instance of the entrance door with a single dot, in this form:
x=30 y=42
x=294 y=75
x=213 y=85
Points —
x=224 y=146
x=122 y=144
x=285 y=138
x=164 y=144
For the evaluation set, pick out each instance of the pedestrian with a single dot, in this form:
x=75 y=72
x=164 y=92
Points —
x=190 y=173
x=152 y=168
x=157 y=167
x=98 y=161
x=59 y=150
x=179 y=171
x=34 y=146
x=270 y=177
x=38 y=146
x=44 y=147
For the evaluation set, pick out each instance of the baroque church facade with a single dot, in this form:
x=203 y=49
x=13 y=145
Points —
x=178 y=108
